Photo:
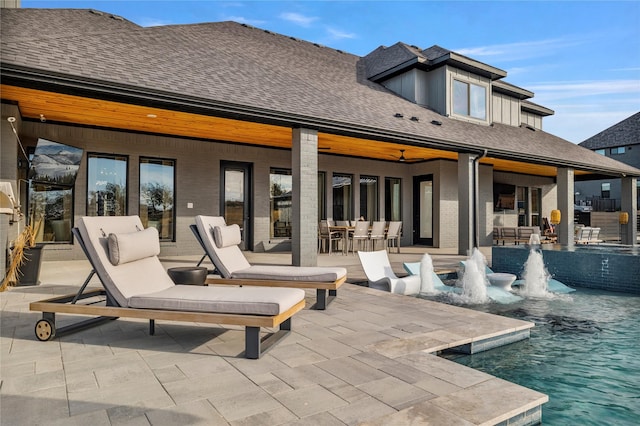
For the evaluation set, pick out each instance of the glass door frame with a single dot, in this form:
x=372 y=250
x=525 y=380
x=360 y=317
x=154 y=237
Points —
x=417 y=220
x=247 y=220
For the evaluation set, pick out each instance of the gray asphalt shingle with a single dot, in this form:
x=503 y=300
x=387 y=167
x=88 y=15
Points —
x=256 y=70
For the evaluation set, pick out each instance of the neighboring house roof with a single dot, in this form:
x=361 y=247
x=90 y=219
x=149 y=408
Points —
x=625 y=133
x=251 y=74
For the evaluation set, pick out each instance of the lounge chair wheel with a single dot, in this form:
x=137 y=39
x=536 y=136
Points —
x=45 y=330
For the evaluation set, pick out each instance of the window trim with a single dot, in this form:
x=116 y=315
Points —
x=468 y=83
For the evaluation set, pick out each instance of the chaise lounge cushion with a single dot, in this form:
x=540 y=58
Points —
x=225 y=236
x=132 y=246
x=290 y=273
x=226 y=300
x=231 y=262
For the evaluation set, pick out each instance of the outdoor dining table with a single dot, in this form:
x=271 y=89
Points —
x=344 y=232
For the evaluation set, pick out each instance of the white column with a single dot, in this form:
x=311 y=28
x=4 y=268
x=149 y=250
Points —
x=304 y=161
x=565 y=229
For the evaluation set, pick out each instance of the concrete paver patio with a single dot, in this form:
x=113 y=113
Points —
x=370 y=358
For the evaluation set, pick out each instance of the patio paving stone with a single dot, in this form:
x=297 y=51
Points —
x=370 y=358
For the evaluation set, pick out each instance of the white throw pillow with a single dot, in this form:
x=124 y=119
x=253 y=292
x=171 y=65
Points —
x=225 y=236
x=129 y=247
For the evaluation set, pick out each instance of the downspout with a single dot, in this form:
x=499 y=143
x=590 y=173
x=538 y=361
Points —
x=476 y=198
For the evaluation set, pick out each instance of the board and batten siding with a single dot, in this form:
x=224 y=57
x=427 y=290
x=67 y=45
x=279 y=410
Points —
x=403 y=85
x=506 y=109
x=532 y=120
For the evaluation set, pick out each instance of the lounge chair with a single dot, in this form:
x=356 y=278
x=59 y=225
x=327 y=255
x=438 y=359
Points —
x=380 y=275
x=136 y=285
x=220 y=243
x=583 y=234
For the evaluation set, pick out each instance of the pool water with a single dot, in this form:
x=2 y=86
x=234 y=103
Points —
x=584 y=353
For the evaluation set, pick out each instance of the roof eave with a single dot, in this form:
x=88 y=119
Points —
x=463 y=62
x=33 y=78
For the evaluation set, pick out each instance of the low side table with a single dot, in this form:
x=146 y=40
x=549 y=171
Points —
x=190 y=275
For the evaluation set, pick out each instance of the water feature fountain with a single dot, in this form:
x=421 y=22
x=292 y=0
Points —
x=426 y=274
x=474 y=279
x=535 y=276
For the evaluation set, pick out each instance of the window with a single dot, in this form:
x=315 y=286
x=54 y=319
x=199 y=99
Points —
x=617 y=150
x=342 y=197
x=522 y=198
x=280 y=187
x=392 y=199
x=469 y=100
x=504 y=197
x=605 y=190
x=106 y=185
x=600 y=151
x=536 y=198
x=51 y=212
x=52 y=173
x=369 y=197
x=157 y=200
x=322 y=196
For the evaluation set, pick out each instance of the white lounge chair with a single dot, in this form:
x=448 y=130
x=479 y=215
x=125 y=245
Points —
x=136 y=285
x=582 y=235
x=380 y=275
x=220 y=242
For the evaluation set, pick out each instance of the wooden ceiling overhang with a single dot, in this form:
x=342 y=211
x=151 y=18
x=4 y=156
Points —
x=259 y=128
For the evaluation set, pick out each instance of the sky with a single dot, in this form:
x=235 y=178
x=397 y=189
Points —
x=580 y=58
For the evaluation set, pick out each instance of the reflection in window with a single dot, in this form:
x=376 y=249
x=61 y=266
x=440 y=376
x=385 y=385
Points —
x=342 y=197
x=369 y=197
x=469 y=100
x=51 y=212
x=157 y=208
x=234 y=185
x=392 y=199
x=618 y=150
x=106 y=185
x=280 y=197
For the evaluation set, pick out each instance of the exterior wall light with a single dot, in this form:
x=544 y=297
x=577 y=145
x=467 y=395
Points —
x=555 y=217
x=624 y=218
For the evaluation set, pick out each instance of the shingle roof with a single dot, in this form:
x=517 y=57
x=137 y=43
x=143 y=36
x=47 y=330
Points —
x=625 y=133
x=42 y=24
x=232 y=64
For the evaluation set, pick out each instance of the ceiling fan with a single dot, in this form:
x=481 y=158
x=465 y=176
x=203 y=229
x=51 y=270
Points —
x=403 y=159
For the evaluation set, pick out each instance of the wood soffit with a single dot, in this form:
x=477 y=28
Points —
x=61 y=108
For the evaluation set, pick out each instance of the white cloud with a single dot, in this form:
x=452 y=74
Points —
x=581 y=89
x=298 y=19
x=153 y=22
x=626 y=69
x=243 y=20
x=337 y=34
x=520 y=50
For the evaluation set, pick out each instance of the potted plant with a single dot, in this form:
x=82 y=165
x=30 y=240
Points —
x=26 y=258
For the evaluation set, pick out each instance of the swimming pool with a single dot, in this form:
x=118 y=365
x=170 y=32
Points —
x=583 y=353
